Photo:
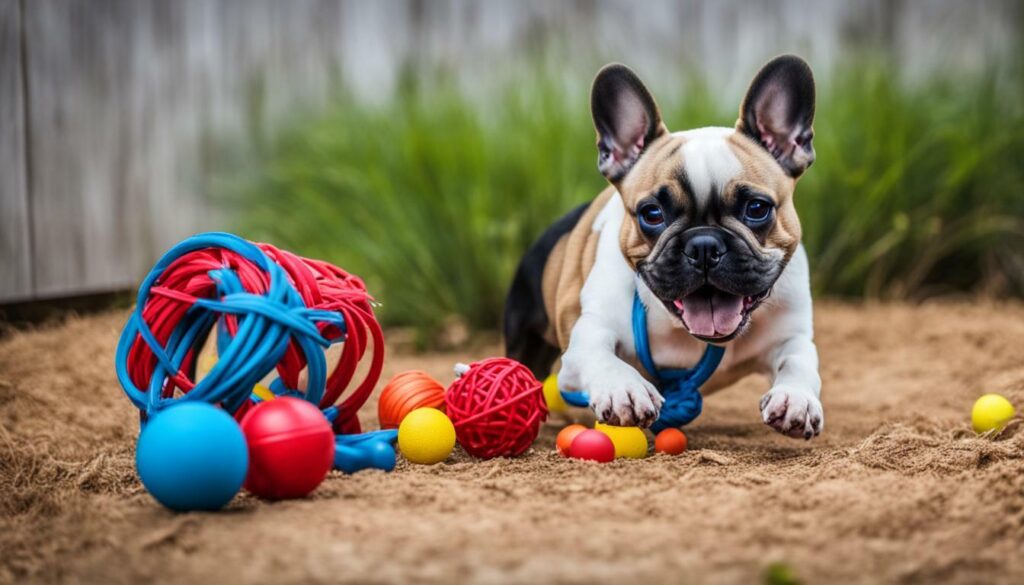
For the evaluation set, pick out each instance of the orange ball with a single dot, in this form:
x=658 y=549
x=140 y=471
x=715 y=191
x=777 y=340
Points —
x=670 y=442
x=565 y=438
x=405 y=393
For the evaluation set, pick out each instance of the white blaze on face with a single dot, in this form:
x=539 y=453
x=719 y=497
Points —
x=708 y=161
x=709 y=164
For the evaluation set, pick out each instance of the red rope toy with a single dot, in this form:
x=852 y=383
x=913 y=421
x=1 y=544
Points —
x=497 y=407
x=181 y=300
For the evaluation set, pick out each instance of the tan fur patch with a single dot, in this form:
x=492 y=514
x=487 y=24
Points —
x=656 y=168
x=761 y=172
x=567 y=269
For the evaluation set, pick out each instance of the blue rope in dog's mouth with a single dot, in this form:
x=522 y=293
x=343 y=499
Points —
x=680 y=387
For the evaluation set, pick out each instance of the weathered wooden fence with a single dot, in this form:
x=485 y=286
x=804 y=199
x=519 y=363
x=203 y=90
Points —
x=113 y=113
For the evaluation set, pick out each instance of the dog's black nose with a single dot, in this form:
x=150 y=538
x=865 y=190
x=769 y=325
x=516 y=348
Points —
x=705 y=250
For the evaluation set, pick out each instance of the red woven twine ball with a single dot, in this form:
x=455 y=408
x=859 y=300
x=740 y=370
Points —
x=497 y=408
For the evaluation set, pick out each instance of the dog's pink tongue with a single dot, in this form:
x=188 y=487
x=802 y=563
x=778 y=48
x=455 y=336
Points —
x=712 y=316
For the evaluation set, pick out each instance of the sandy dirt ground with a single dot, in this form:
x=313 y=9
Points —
x=897 y=489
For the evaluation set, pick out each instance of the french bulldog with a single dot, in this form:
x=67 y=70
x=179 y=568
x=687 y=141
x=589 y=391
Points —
x=699 y=224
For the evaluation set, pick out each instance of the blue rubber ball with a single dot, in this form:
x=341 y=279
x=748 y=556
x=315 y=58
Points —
x=192 y=456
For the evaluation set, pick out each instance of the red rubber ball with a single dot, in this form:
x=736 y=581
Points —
x=291 y=448
x=592 y=445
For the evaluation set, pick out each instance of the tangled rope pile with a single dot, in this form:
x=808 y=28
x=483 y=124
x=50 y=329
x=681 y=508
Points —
x=272 y=310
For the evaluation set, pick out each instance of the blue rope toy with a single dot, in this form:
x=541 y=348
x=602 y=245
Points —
x=196 y=285
x=680 y=387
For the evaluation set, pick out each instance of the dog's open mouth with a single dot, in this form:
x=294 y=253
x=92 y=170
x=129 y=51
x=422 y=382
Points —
x=715 y=315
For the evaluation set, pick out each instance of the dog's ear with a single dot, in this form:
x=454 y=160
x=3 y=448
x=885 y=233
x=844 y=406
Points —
x=626 y=118
x=778 y=112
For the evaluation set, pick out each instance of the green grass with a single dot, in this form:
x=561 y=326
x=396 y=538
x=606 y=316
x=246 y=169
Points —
x=433 y=197
x=779 y=573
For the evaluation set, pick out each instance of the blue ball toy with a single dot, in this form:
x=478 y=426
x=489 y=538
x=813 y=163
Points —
x=192 y=456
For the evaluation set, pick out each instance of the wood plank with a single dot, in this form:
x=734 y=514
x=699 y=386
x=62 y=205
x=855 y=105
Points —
x=15 y=250
x=132 y=104
x=76 y=87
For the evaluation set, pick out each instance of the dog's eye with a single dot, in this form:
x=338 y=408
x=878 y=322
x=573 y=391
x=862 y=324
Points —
x=651 y=216
x=757 y=211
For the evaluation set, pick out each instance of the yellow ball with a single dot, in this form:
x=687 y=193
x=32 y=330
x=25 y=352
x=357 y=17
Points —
x=629 y=441
x=426 y=436
x=263 y=392
x=552 y=396
x=991 y=412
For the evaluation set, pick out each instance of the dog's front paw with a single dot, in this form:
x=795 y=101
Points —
x=622 y=397
x=795 y=413
x=619 y=395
